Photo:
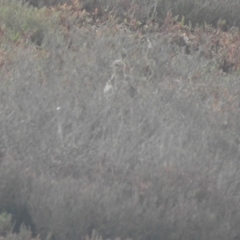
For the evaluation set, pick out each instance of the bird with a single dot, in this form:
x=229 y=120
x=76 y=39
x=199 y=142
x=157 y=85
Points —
x=119 y=83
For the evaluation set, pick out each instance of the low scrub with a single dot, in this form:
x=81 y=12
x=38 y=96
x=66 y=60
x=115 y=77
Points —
x=162 y=164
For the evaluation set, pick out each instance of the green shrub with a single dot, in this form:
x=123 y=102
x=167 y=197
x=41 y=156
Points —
x=20 y=21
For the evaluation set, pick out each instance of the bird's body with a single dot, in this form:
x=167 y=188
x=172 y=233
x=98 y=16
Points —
x=109 y=89
x=119 y=83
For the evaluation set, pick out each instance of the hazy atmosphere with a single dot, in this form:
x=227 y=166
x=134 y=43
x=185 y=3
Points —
x=119 y=120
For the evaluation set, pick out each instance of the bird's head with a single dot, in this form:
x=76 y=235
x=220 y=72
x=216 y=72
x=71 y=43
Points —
x=118 y=68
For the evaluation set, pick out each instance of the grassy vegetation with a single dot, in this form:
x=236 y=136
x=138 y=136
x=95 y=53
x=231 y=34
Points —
x=163 y=164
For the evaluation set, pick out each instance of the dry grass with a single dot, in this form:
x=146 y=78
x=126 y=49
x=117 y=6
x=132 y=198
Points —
x=163 y=164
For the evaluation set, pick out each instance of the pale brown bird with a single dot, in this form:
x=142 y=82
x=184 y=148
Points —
x=119 y=83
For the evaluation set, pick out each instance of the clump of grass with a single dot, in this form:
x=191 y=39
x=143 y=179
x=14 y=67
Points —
x=7 y=229
x=96 y=236
x=5 y=223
